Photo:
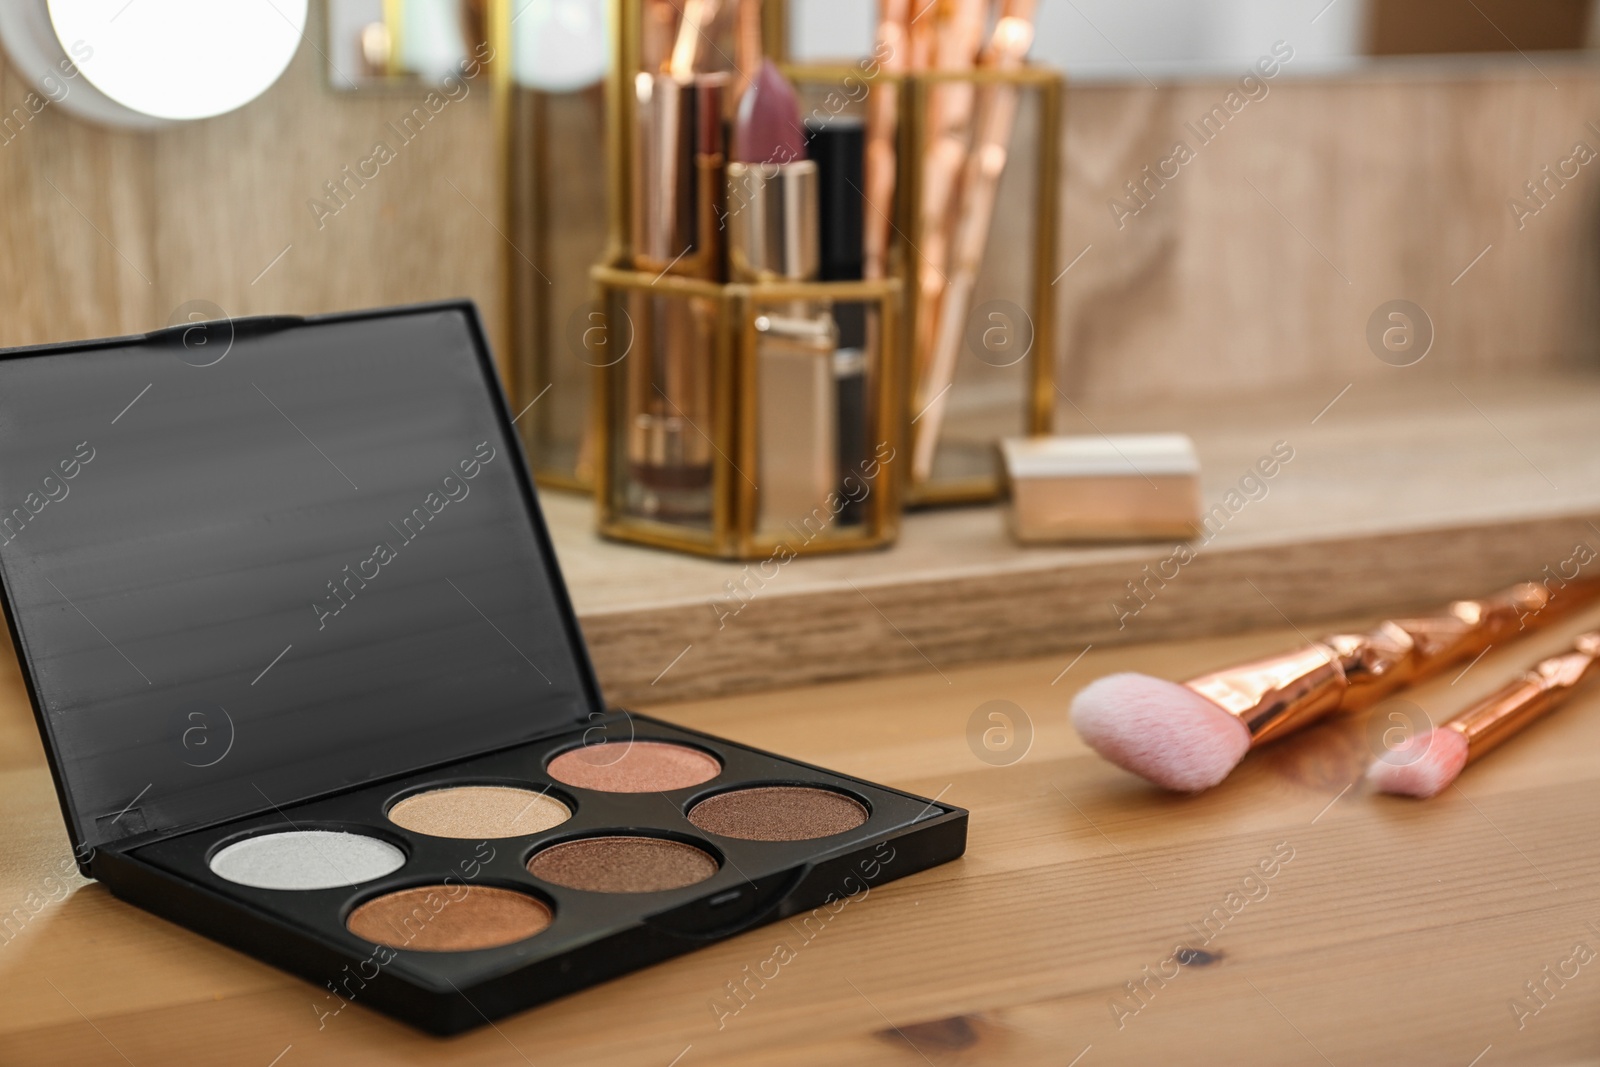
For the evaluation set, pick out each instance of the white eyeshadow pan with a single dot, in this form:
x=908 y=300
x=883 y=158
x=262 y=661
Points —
x=306 y=859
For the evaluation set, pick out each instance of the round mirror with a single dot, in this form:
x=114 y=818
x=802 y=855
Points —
x=560 y=45
x=145 y=62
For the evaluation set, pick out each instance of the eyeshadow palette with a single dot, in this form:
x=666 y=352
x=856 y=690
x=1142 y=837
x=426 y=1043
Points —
x=310 y=682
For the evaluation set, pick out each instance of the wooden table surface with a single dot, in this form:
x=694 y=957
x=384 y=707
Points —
x=1388 y=932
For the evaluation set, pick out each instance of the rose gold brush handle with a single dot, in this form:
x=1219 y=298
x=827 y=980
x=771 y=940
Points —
x=980 y=185
x=948 y=114
x=1402 y=652
x=1538 y=691
x=883 y=117
x=1279 y=694
x=747 y=48
x=697 y=18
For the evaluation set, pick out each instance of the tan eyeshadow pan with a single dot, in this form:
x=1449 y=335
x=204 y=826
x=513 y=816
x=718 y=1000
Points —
x=622 y=864
x=449 y=918
x=634 y=767
x=778 y=813
x=477 y=812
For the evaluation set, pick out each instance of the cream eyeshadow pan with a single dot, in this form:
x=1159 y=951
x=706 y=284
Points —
x=479 y=811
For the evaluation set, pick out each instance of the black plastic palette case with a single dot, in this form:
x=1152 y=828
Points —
x=310 y=682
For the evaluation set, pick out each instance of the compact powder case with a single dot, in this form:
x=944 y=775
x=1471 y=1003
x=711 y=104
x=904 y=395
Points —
x=310 y=682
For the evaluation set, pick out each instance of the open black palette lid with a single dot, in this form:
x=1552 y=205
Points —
x=259 y=561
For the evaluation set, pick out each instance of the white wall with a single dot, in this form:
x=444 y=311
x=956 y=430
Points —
x=1127 y=39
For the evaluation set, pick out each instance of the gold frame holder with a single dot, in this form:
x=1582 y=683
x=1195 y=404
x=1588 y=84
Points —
x=721 y=348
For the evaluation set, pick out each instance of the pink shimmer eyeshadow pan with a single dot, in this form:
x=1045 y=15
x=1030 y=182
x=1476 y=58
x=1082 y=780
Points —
x=634 y=767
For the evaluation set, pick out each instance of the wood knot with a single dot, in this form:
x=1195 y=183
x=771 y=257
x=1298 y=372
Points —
x=944 y=1035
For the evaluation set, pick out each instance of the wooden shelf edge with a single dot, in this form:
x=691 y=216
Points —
x=924 y=624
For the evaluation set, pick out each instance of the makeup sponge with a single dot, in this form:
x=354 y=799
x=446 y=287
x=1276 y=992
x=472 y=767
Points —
x=1160 y=730
x=1422 y=767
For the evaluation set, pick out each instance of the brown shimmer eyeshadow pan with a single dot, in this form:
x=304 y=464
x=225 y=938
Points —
x=634 y=767
x=479 y=812
x=778 y=813
x=449 y=918
x=622 y=864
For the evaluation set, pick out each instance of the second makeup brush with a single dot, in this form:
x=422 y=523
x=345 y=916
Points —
x=1430 y=762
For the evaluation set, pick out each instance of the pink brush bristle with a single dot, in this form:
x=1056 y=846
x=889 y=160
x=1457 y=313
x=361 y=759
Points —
x=768 y=127
x=1159 y=730
x=1424 y=766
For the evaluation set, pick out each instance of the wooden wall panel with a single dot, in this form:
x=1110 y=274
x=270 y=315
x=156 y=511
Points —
x=76 y=223
x=201 y=209
x=1257 y=267
x=234 y=192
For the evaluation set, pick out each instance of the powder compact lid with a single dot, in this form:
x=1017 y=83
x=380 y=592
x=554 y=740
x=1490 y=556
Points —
x=252 y=562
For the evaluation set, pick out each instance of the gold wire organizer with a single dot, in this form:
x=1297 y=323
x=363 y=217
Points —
x=703 y=387
x=719 y=510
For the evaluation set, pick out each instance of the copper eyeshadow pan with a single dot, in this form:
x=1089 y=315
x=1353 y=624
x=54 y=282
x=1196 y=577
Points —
x=449 y=918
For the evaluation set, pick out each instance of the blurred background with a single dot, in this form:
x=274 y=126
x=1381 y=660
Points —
x=1120 y=39
x=1382 y=160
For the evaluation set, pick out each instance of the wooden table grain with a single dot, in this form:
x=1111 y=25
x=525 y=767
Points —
x=1322 y=924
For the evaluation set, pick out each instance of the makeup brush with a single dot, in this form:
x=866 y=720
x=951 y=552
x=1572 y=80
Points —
x=949 y=113
x=747 y=51
x=1189 y=737
x=697 y=18
x=980 y=186
x=658 y=33
x=1428 y=763
x=883 y=117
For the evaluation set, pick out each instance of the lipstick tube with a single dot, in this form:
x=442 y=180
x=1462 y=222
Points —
x=772 y=221
x=1353 y=671
x=678 y=183
x=668 y=408
x=1539 y=690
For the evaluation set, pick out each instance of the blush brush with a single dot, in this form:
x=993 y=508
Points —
x=1190 y=736
x=1427 y=764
